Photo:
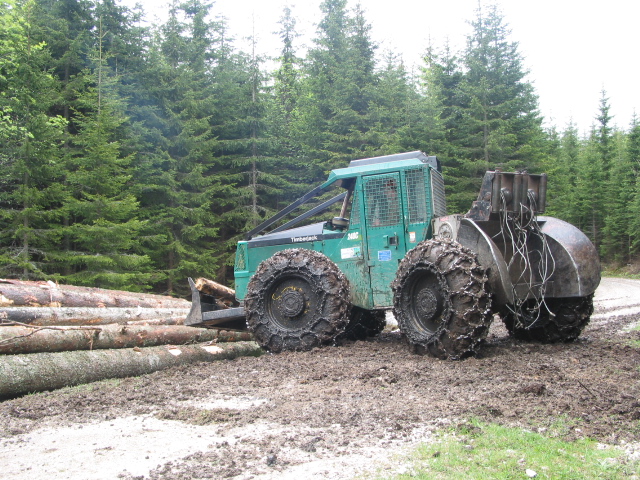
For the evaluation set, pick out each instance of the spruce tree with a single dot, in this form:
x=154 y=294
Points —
x=402 y=118
x=499 y=124
x=283 y=114
x=633 y=154
x=590 y=190
x=65 y=26
x=104 y=213
x=604 y=135
x=601 y=146
x=180 y=182
x=562 y=166
x=245 y=150
x=617 y=227
x=332 y=115
x=441 y=78
x=30 y=192
x=287 y=75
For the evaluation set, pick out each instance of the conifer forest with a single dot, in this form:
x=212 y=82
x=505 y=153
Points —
x=135 y=155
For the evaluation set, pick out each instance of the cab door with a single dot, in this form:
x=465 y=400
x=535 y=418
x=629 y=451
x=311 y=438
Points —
x=384 y=233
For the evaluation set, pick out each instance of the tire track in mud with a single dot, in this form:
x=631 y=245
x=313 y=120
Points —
x=330 y=412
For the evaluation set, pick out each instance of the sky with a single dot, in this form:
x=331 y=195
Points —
x=573 y=49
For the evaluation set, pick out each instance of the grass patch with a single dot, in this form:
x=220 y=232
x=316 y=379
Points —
x=487 y=451
x=621 y=272
x=91 y=386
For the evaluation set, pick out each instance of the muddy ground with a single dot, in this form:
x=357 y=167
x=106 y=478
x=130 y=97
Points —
x=334 y=412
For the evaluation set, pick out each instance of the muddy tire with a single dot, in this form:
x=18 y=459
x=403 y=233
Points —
x=441 y=300
x=297 y=300
x=562 y=320
x=364 y=324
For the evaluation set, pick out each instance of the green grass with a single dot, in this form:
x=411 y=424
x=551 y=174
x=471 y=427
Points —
x=487 y=451
x=619 y=272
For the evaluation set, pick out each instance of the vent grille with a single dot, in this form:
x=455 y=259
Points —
x=439 y=200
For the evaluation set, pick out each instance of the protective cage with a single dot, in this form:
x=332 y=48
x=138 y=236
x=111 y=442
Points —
x=383 y=201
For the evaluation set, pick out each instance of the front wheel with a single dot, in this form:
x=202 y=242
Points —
x=441 y=300
x=297 y=299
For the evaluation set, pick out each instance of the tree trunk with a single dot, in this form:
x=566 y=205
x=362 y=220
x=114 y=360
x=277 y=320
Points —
x=73 y=316
x=48 y=294
x=19 y=339
x=38 y=372
x=156 y=321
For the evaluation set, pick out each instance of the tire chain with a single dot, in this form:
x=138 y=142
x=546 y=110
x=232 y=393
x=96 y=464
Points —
x=561 y=320
x=328 y=283
x=471 y=322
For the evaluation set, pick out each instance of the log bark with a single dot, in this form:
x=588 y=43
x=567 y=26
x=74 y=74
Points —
x=73 y=316
x=156 y=321
x=48 y=294
x=36 y=372
x=20 y=340
x=215 y=289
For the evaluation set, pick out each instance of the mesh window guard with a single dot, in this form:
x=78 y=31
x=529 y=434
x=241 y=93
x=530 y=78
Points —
x=416 y=196
x=383 y=205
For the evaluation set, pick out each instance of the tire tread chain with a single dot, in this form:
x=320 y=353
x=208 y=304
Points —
x=561 y=320
x=467 y=315
x=327 y=282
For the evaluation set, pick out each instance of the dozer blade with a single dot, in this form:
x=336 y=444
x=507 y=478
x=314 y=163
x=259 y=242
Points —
x=205 y=312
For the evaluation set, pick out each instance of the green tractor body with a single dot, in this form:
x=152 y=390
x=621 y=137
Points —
x=393 y=246
x=378 y=233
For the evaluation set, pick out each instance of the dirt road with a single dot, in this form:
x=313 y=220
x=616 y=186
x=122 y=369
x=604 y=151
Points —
x=332 y=412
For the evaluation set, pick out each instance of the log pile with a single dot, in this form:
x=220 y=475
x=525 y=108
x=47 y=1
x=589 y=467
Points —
x=19 y=339
x=60 y=335
x=18 y=293
x=38 y=372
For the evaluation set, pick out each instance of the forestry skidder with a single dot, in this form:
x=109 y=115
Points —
x=393 y=246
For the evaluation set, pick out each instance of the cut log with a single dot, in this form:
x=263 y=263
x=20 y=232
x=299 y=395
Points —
x=73 y=316
x=38 y=372
x=18 y=293
x=156 y=321
x=215 y=289
x=19 y=339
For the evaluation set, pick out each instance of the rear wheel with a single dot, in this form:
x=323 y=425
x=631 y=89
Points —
x=561 y=320
x=297 y=299
x=364 y=324
x=440 y=299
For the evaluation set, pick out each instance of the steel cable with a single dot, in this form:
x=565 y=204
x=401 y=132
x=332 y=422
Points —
x=518 y=229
